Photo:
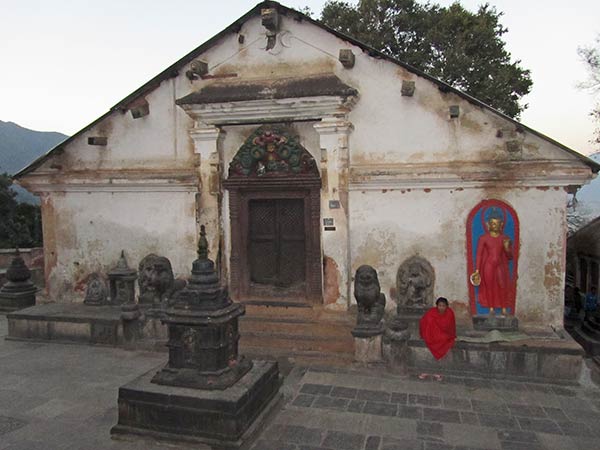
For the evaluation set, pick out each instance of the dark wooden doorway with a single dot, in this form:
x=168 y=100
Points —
x=277 y=240
x=274 y=209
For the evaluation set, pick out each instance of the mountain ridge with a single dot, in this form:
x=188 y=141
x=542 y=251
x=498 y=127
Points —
x=19 y=147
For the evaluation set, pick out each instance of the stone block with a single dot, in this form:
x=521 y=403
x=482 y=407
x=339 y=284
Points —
x=28 y=329
x=224 y=418
x=368 y=349
x=565 y=367
x=70 y=331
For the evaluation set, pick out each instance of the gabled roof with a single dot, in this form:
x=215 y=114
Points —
x=235 y=27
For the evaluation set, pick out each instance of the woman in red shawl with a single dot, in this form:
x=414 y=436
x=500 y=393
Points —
x=438 y=330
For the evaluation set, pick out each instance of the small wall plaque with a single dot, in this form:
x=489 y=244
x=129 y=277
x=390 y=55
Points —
x=329 y=228
x=328 y=222
x=334 y=204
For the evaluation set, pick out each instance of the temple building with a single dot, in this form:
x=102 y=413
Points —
x=307 y=154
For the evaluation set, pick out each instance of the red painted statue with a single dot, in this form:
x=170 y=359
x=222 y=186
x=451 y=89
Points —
x=492 y=273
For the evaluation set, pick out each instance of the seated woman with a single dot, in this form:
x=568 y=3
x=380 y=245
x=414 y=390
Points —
x=438 y=330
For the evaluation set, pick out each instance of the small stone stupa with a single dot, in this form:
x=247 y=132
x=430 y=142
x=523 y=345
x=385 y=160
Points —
x=18 y=292
x=206 y=392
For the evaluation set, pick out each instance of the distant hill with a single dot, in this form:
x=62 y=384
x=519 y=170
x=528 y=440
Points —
x=20 y=146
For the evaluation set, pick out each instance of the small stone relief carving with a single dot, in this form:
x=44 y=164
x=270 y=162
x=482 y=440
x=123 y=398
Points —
x=96 y=292
x=156 y=279
x=415 y=282
x=370 y=299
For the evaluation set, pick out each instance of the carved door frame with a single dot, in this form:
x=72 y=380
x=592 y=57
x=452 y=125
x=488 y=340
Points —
x=241 y=192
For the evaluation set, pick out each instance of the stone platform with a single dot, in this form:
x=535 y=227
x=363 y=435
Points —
x=552 y=359
x=63 y=322
x=219 y=418
x=543 y=358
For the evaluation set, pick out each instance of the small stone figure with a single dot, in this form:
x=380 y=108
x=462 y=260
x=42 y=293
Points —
x=370 y=300
x=414 y=283
x=18 y=292
x=96 y=293
x=156 y=279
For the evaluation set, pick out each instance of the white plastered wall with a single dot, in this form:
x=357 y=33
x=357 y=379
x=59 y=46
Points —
x=412 y=137
x=386 y=228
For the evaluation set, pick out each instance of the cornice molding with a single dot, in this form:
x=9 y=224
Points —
x=271 y=110
x=467 y=175
x=171 y=180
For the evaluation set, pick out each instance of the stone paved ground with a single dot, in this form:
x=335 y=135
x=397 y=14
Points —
x=55 y=396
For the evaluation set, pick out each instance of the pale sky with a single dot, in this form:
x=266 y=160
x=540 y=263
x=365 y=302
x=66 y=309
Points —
x=65 y=63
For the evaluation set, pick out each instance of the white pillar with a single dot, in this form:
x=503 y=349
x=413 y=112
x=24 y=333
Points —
x=333 y=133
x=207 y=146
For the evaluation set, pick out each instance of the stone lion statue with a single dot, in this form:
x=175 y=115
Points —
x=370 y=300
x=414 y=283
x=155 y=280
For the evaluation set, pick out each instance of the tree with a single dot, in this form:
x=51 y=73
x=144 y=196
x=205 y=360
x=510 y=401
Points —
x=20 y=223
x=462 y=48
x=591 y=57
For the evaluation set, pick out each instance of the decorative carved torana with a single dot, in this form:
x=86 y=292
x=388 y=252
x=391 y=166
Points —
x=272 y=151
x=415 y=282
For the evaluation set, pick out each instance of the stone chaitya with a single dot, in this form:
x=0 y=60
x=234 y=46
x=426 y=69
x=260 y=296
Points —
x=122 y=282
x=206 y=392
x=203 y=332
x=18 y=292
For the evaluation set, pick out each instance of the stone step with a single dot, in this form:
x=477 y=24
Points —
x=589 y=342
x=591 y=329
x=300 y=357
x=293 y=343
x=558 y=360
x=294 y=326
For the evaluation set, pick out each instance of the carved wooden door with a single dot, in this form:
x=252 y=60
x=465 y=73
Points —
x=276 y=253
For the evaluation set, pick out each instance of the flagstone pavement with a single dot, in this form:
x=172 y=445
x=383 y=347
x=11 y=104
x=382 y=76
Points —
x=58 y=396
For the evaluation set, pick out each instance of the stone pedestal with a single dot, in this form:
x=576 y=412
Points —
x=132 y=319
x=501 y=323
x=224 y=418
x=367 y=349
x=395 y=346
x=18 y=292
x=206 y=392
x=411 y=316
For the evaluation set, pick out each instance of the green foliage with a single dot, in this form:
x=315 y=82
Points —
x=20 y=223
x=591 y=57
x=462 y=48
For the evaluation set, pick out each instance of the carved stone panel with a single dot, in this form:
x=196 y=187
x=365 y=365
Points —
x=96 y=292
x=414 y=283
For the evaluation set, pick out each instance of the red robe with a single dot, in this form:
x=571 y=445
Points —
x=495 y=290
x=438 y=331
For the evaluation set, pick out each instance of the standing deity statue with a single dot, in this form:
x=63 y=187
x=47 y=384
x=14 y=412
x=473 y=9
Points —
x=492 y=272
